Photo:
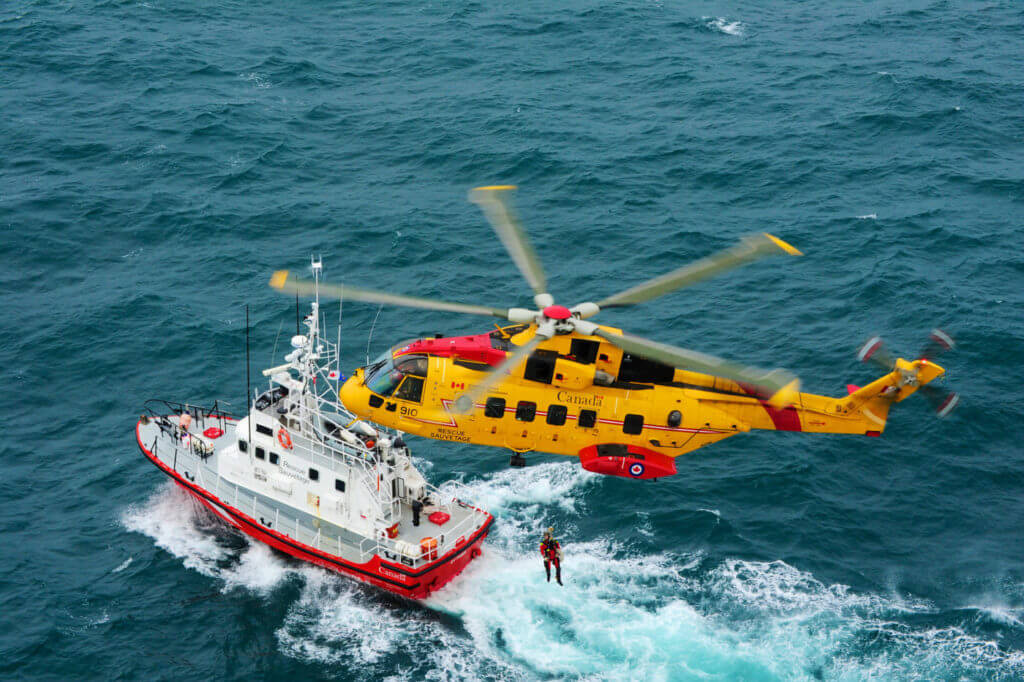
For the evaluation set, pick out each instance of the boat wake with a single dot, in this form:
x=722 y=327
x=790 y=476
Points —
x=620 y=616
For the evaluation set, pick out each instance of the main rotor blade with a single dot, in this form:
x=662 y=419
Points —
x=783 y=385
x=751 y=248
x=506 y=224
x=283 y=281
x=465 y=403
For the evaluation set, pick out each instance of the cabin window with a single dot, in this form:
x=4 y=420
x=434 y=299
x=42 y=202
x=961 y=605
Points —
x=494 y=408
x=633 y=424
x=584 y=351
x=641 y=370
x=273 y=458
x=265 y=430
x=541 y=366
x=314 y=475
x=526 y=411
x=260 y=453
x=587 y=419
x=557 y=414
x=411 y=389
x=339 y=485
x=376 y=401
x=243 y=446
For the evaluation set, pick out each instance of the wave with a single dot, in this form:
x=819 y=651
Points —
x=620 y=615
x=723 y=25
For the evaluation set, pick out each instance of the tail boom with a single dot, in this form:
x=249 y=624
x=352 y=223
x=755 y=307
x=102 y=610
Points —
x=864 y=411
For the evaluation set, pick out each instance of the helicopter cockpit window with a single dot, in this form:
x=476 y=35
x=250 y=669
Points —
x=411 y=389
x=384 y=375
x=415 y=365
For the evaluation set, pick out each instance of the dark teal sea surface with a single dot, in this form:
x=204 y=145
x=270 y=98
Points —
x=158 y=160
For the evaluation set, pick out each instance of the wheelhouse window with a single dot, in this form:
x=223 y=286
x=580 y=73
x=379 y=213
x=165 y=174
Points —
x=587 y=419
x=273 y=458
x=260 y=453
x=314 y=475
x=633 y=424
x=265 y=430
x=557 y=414
x=243 y=446
x=494 y=408
x=526 y=411
x=385 y=374
x=339 y=485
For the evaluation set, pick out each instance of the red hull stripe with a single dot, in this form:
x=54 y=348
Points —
x=299 y=550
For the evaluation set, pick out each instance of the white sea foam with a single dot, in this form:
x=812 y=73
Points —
x=257 y=79
x=723 y=25
x=868 y=216
x=182 y=527
x=124 y=564
x=1000 y=613
x=619 y=616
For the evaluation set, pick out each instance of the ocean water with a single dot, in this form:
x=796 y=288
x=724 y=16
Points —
x=159 y=159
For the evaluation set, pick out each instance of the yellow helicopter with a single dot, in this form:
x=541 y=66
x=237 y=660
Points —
x=553 y=381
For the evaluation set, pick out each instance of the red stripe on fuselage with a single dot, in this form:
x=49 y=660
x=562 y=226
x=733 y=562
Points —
x=785 y=419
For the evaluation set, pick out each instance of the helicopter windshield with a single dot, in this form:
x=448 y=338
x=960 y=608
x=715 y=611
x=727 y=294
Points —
x=384 y=375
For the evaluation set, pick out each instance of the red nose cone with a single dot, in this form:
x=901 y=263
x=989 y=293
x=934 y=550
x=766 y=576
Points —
x=557 y=312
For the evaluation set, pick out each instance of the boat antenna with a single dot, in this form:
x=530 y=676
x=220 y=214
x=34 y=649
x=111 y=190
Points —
x=297 y=330
x=276 y=339
x=248 y=388
x=341 y=304
x=370 y=337
x=317 y=266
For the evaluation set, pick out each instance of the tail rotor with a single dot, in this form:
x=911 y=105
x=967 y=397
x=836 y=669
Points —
x=939 y=342
x=874 y=351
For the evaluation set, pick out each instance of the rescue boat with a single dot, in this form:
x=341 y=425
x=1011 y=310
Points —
x=304 y=475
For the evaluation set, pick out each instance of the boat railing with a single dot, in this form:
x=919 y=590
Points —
x=197 y=411
x=448 y=539
x=325 y=448
x=160 y=412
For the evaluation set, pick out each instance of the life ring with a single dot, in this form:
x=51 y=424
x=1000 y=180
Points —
x=284 y=439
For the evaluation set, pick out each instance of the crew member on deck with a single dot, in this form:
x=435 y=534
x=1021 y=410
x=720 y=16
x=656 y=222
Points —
x=552 y=553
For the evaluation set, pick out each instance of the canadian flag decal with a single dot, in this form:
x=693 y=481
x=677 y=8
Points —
x=458 y=384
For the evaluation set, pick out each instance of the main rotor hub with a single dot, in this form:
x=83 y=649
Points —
x=557 y=312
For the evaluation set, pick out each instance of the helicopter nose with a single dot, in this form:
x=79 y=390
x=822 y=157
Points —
x=353 y=395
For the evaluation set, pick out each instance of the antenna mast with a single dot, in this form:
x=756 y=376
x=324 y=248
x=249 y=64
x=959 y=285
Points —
x=248 y=389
